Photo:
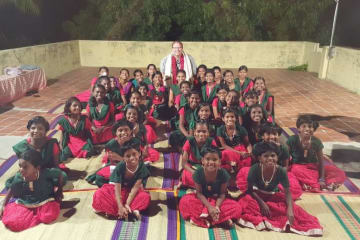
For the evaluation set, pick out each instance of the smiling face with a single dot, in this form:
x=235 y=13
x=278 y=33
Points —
x=231 y=98
x=201 y=133
x=256 y=114
x=135 y=100
x=112 y=83
x=99 y=94
x=139 y=76
x=123 y=133
x=259 y=85
x=271 y=137
x=27 y=170
x=157 y=80
x=131 y=158
x=229 y=119
x=194 y=101
x=177 y=49
x=306 y=130
x=180 y=77
x=229 y=78
x=268 y=159
x=124 y=75
x=249 y=101
x=75 y=108
x=185 y=89
x=106 y=84
x=201 y=72
x=211 y=162
x=143 y=91
x=151 y=70
x=209 y=77
x=217 y=74
x=221 y=94
x=37 y=131
x=132 y=115
x=204 y=113
x=103 y=72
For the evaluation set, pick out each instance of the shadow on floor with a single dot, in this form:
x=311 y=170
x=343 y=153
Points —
x=348 y=160
x=6 y=108
x=341 y=124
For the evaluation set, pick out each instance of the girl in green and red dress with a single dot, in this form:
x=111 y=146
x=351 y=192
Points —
x=185 y=116
x=199 y=80
x=233 y=102
x=48 y=147
x=230 y=82
x=208 y=91
x=145 y=100
x=203 y=113
x=125 y=194
x=264 y=207
x=265 y=98
x=271 y=133
x=116 y=95
x=150 y=70
x=234 y=139
x=245 y=83
x=218 y=76
x=75 y=140
x=182 y=98
x=174 y=90
x=255 y=117
x=209 y=206
x=124 y=83
x=101 y=112
x=191 y=157
x=250 y=98
x=307 y=161
x=33 y=187
x=219 y=103
x=159 y=95
x=139 y=78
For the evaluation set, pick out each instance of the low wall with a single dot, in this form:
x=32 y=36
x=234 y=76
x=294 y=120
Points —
x=344 y=68
x=224 y=54
x=55 y=58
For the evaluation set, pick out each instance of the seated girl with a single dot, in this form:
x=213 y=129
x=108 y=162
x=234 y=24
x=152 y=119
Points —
x=159 y=95
x=37 y=201
x=75 y=140
x=145 y=100
x=191 y=157
x=116 y=95
x=235 y=142
x=245 y=83
x=209 y=90
x=307 y=159
x=203 y=113
x=85 y=96
x=218 y=76
x=264 y=207
x=219 y=103
x=175 y=88
x=233 y=102
x=151 y=69
x=139 y=78
x=199 y=79
x=265 y=98
x=101 y=112
x=124 y=83
x=270 y=133
x=124 y=195
x=229 y=81
x=182 y=98
x=250 y=98
x=48 y=147
x=185 y=116
x=209 y=205
x=252 y=122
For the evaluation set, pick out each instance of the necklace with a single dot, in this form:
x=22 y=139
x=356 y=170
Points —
x=233 y=134
x=306 y=146
x=31 y=183
x=132 y=172
x=262 y=175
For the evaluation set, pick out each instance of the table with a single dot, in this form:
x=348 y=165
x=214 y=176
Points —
x=14 y=87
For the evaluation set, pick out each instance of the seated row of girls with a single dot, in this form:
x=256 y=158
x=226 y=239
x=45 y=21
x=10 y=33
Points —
x=33 y=194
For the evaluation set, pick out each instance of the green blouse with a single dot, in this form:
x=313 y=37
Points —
x=212 y=189
x=238 y=138
x=297 y=152
x=118 y=175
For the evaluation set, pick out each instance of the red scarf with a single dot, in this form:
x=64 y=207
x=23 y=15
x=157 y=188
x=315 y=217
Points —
x=174 y=67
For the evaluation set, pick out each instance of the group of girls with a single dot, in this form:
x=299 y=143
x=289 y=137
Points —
x=224 y=129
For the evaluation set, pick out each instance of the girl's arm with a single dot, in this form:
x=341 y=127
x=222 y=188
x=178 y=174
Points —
x=123 y=99
x=5 y=202
x=134 y=190
x=122 y=211
x=182 y=127
x=216 y=113
x=213 y=211
x=264 y=208
x=171 y=98
x=185 y=158
x=247 y=145
x=321 y=169
x=225 y=146
x=61 y=139
x=289 y=210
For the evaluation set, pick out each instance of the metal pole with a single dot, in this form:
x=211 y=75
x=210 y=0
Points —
x=331 y=48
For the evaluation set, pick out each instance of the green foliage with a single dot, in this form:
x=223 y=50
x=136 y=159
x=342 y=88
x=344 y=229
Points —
x=26 y=6
x=300 y=68
x=199 y=20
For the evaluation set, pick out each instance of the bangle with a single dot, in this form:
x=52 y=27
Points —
x=321 y=180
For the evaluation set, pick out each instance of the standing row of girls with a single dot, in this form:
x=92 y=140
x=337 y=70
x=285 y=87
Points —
x=234 y=116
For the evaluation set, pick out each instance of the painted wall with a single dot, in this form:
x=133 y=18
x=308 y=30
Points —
x=344 y=68
x=55 y=58
x=225 y=54
x=312 y=56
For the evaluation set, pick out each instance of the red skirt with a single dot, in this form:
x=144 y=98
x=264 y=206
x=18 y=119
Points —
x=308 y=176
x=186 y=179
x=230 y=158
x=304 y=223
x=295 y=188
x=17 y=217
x=151 y=136
x=191 y=208
x=152 y=155
x=104 y=199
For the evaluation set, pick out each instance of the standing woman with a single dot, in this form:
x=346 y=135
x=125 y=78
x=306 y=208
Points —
x=175 y=61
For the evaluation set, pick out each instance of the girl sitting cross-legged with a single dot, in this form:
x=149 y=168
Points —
x=209 y=205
